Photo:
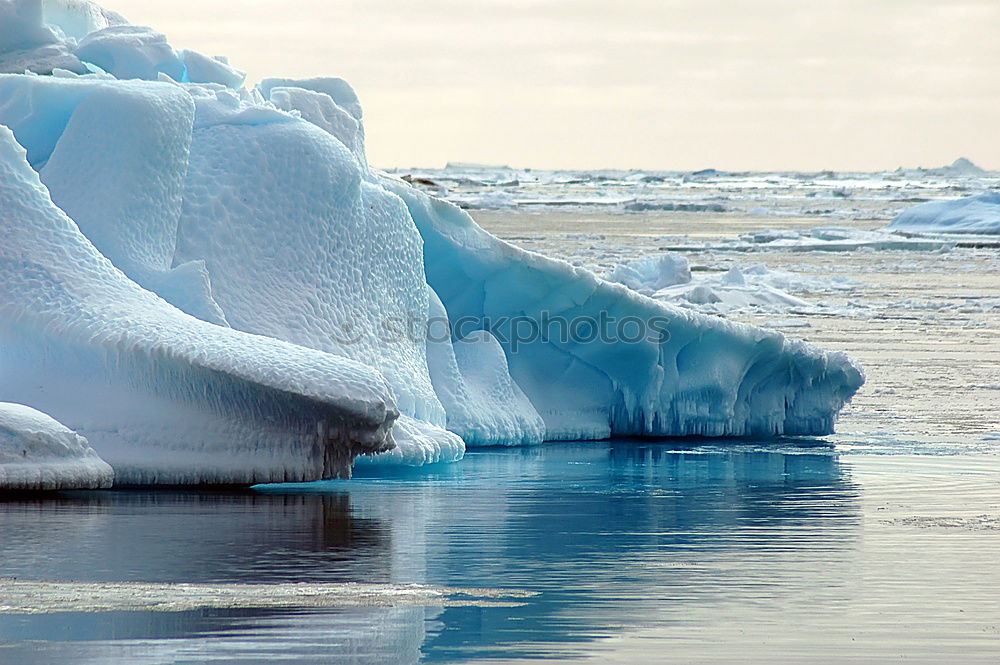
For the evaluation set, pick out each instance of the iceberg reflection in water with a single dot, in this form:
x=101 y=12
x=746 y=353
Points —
x=610 y=535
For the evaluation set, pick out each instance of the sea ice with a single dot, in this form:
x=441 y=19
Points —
x=818 y=239
x=733 y=290
x=668 y=277
x=973 y=214
x=652 y=273
x=39 y=453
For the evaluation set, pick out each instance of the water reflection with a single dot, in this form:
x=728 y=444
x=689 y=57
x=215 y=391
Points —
x=608 y=534
x=188 y=537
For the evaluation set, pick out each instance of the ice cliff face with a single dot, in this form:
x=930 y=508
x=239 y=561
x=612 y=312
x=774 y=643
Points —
x=210 y=283
x=597 y=359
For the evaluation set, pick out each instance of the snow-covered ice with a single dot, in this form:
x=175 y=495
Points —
x=648 y=274
x=295 y=287
x=668 y=277
x=973 y=214
x=39 y=453
x=732 y=290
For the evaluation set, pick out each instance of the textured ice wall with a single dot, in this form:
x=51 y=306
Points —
x=972 y=214
x=302 y=244
x=113 y=155
x=39 y=453
x=709 y=377
x=164 y=398
x=484 y=404
x=481 y=403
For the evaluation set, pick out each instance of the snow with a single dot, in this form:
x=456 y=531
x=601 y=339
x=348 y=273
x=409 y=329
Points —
x=163 y=397
x=39 y=453
x=973 y=214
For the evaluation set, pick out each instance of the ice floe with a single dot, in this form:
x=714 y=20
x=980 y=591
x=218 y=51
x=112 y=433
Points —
x=39 y=453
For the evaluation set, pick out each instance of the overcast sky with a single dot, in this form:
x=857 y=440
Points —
x=668 y=84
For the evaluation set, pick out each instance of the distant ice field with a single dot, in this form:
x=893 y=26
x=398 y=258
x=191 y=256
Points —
x=825 y=195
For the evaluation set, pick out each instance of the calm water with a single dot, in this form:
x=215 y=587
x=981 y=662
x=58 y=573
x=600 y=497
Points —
x=635 y=550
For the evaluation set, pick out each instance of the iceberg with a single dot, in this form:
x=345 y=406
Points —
x=210 y=284
x=961 y=167
x=346 y=277
x=484 y=405
x=972 y=214
x=39 y=453
x=597 y=359
x=165 y=398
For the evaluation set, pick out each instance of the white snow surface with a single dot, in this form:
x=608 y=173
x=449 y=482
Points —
x=39 y=453
x=210 y=283
x=972 y=214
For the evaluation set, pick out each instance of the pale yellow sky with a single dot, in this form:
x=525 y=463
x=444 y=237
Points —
x=657 y=84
